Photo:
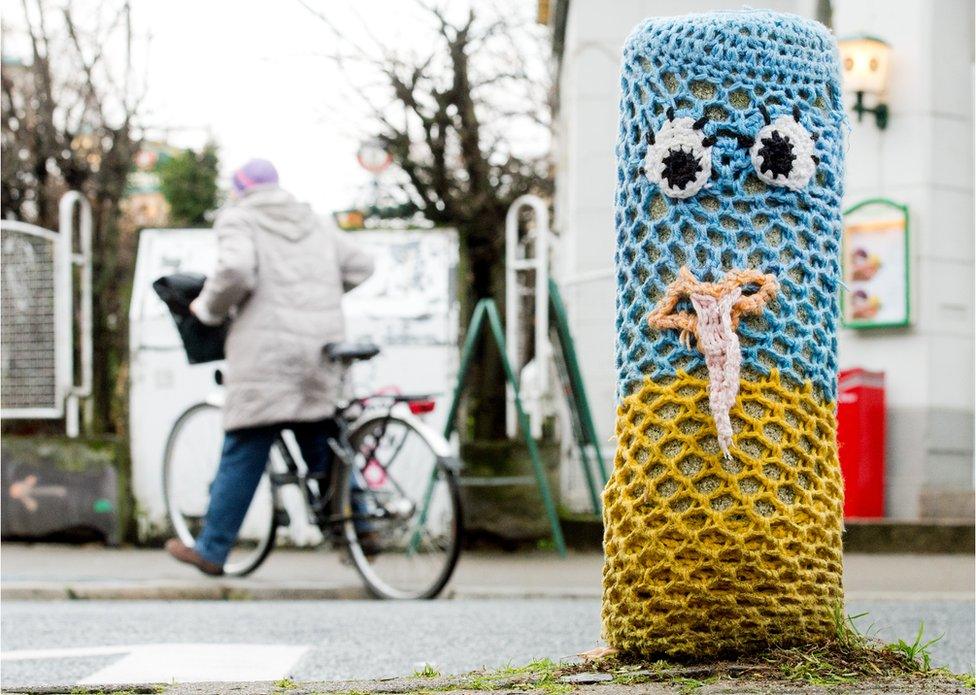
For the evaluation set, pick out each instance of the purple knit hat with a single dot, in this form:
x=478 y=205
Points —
x=257 y=172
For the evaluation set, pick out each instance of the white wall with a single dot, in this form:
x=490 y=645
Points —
x=924 y=158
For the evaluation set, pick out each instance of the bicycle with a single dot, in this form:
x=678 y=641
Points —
x=401 y=528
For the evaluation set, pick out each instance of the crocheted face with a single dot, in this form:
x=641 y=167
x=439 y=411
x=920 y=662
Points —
x=730 y=158
x=723 y=512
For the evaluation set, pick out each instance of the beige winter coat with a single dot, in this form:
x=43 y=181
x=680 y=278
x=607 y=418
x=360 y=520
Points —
x=284 y=271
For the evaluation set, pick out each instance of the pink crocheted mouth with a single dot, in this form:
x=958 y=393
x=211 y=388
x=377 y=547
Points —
x=719 y=343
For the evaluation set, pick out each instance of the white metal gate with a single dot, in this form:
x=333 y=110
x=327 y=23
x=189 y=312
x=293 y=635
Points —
x=37 y=313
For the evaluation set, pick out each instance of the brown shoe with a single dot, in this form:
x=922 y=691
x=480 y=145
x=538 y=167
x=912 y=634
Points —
x=370 y=543
x=175 y=547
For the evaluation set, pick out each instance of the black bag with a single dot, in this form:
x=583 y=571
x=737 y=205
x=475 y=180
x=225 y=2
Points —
x=202 y=343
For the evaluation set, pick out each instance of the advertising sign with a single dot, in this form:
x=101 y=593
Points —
x=876 y=265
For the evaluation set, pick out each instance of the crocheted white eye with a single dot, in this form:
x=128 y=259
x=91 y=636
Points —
x=783 y=154
x=679 y=159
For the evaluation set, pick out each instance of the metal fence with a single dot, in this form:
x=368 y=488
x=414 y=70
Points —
x=38 y=316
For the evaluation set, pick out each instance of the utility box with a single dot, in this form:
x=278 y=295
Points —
x=861 y=441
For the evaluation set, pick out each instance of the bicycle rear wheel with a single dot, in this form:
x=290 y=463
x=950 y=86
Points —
x=189 y=466
x=405 y=536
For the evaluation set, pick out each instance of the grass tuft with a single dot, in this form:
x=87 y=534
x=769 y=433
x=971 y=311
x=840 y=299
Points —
x=918 y=651
x=428 y=671
x=687 y=686
x=542 y=675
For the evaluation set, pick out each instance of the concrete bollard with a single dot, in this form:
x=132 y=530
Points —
x=723 y=513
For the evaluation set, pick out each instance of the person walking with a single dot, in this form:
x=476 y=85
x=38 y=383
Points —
x=280 y=276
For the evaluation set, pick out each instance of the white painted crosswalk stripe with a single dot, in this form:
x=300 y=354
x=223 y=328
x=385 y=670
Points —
x=63 y=653
x=180 y=663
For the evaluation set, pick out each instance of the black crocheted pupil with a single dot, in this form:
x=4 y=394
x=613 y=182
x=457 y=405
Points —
x=777 y=155
x=680 y=168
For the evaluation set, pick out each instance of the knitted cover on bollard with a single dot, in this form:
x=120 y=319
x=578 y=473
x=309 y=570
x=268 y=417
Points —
x=723 y=514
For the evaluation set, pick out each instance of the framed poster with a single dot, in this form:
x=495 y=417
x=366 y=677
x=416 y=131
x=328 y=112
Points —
x=875 y=263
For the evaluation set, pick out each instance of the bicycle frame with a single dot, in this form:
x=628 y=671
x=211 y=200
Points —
x=318 y=501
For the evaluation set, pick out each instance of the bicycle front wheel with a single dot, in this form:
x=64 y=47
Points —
x=189 y=466
x=404 y=534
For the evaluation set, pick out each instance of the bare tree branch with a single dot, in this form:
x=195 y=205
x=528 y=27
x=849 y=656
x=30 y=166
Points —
x=452 y=119
x=68 y=124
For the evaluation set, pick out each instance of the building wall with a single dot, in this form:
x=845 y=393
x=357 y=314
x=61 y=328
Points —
x=924 y=159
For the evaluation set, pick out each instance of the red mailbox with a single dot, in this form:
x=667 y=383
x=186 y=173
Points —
x=861 y=441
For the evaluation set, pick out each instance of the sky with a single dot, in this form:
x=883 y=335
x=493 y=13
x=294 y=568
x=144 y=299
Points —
x=253 y=75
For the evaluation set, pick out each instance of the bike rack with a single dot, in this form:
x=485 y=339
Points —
x=487 y=309
x=572 y=385
x=548 y=302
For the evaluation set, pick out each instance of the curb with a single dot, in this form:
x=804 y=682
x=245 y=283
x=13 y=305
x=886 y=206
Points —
x=119 y=591
x=130 y=591
x=921 y=537
x=860 y=535
x=494 y=592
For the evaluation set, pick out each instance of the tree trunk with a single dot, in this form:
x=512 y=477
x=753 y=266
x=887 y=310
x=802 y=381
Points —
x=104 y=269
x=483 y=275
x=112 y=264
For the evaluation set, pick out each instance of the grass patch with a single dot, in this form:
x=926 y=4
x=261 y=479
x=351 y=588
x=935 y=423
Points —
x=816 y=668
x=118 y=690
x=686 y=686
x=428 y=671
x=854 y=655
x=542 y=674
x=541 y=667
x=285 y=684
x=850 y=657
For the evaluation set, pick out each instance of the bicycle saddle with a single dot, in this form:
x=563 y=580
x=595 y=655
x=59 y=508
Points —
x=351 y=352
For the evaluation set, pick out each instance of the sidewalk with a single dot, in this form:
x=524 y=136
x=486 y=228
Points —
x=47 y=572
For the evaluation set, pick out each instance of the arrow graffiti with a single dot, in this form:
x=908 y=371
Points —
x=27 y=491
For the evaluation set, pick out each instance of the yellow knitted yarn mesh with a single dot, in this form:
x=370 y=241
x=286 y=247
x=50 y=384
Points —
x=709 y=556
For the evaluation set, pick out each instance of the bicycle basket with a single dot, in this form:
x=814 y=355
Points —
x=201 y=342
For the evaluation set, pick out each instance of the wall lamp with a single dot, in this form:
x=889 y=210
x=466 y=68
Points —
x=864 y=70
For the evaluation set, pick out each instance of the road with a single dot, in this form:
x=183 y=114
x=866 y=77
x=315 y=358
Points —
x=68 y=642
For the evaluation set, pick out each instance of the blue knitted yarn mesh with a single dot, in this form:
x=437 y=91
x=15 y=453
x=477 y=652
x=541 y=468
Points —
x=724 y=65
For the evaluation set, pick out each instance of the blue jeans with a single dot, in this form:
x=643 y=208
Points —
x=242 y=463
